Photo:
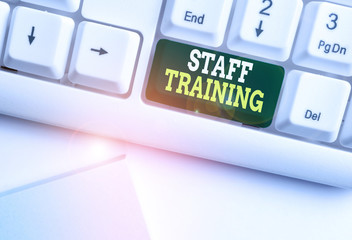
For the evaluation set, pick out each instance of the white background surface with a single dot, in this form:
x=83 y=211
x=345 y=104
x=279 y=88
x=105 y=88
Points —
x=188 y=198
x=185 y=198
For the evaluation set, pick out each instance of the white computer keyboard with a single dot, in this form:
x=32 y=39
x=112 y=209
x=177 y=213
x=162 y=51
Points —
x=263 y=84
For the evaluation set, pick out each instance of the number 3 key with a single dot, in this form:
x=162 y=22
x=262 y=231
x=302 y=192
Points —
x=325 y=43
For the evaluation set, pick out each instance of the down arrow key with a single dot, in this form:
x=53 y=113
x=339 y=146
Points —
x=259 y=30
x=31 y=37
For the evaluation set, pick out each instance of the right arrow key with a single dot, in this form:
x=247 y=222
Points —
x=104 y=57
x=101 y=51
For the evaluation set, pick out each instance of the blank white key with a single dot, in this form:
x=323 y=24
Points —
x=265 y=28
x=324 y=40
x=199 y=21
x=38 y=42
x=346 y=131
x=104 y=57
x=64 y=5
x=4 y=15
x=312 y=106
x=139 y=15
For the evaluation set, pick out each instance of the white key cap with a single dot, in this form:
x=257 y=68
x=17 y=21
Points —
x=38 y=42
x=104 y=57
x=265 y=28
x=64 y=5
x=4 y=15
x=139 y=15
x=312 y=106
x=197 y=21
x=324 y=40
x=346 y=131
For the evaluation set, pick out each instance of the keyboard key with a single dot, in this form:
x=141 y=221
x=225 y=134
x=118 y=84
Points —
x=346 y=131
x=265 y=28
x=4 y=15
x=104 y=57
x=139 y=15
x=324 y=40
x=64 y=5
x=38 y=42
x=197 y=21
x=214 y=83
x=312 y=106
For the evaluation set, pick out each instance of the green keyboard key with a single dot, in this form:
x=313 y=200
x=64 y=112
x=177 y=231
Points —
x=214 y=83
